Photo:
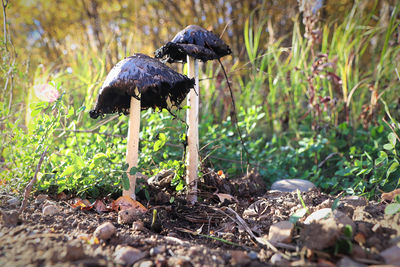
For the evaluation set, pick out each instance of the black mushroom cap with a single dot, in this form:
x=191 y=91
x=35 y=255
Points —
x=195 y=42
x=159 y=86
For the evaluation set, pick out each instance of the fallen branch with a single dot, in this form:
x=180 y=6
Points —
x=28 y=188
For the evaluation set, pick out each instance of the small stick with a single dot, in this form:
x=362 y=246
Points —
x=28 y=188
x=132 y=149
x=193 y=132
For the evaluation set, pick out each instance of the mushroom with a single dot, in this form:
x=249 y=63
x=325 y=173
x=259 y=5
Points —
x=135 y=83
x=189 y=45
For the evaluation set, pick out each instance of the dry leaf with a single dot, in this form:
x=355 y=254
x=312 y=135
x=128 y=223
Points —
x=126 y=202
x=389 y=197
x=99 y=206
x=83 y=204
x=222 y=197
x=359 y=238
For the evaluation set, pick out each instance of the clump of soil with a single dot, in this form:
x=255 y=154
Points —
x=213 y=232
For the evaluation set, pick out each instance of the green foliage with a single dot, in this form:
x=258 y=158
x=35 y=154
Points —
x=394 y=207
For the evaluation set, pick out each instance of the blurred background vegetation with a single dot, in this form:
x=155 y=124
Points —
x=316 y=83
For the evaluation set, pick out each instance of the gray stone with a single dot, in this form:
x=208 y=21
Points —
x=105 y=231
x=281 y=232
x=128 y=255
x=290 y=185
x=322 y=214
x=347 y=262
x=391 y=255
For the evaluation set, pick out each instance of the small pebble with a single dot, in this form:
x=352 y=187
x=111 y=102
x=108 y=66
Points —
x=50 y=210
x=145 y=263
x=157 y=250
x=41 y=198
x=105 y=231
x=277 y=259
x=138 y=226
x=14 y=202
x=253 y=255
x=281 y=232
x=391 y=255
x=128 y=255
x=239 y=257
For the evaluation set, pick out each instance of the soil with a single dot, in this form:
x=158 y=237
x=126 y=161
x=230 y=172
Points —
x=210 y=233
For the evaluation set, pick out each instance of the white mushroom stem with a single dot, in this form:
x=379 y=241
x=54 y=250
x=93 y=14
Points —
x=192 y=118
x=132 y=150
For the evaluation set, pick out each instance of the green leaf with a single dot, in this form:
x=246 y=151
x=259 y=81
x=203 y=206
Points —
x=157 y=145
x=397 y=198
x=335 y=203
x=388 y=146
x=71 y=112
x=392 y=139
x=297 y=215
x=348 y=231
x=392 y=208
x=69 y=170
x=133 y=170
x=99 y=156
x=179 y=187
x=392 y=168
x=125 y=181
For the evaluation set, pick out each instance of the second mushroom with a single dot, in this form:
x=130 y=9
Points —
x=190 y=45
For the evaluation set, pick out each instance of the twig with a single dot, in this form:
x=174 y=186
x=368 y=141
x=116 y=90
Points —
x=259 y=240
x=28 y=188
x=326 y=159
x=5 y=3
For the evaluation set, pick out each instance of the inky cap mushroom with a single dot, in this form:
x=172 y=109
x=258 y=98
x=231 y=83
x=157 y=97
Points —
x=156 y=83
x=195 y=42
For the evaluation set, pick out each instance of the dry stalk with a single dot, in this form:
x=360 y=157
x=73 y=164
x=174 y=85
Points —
x=28 y=188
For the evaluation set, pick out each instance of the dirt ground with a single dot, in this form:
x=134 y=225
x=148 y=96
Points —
x=228 y=227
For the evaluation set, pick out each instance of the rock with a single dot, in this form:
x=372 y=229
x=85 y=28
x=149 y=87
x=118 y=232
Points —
x=347 y=262
x=50 y=210
x=323 y=214
x=138 y=226
x=253 y=255
x=391 y=255
x=157 y=250
x=278 y=260
x=129 y=215
x=72 y=251
x=320 y=235
x=10 y=218
x=290 y=185
x=144 y=263
x=105 y=231
x=41 y=198
x=358 y=252
x=239 y=257
x=128 y=255
x=281 y=232
x=179 y=262
x=14 y=202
